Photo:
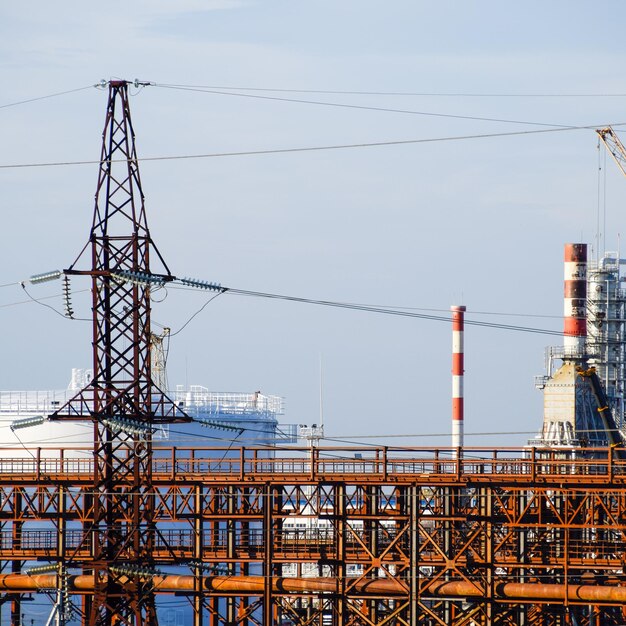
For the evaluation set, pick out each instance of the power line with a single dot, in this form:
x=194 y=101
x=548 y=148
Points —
x=443 y=94
x=380 y=306
x=383 y=307
x=359 y=106
x=41 y=303
x=372 y=144
x=195 y=314
x=435 y=310
x=352 y=440
x=34 y=300
x=51 y=95
x=387 y=311
x=276 y=442
x=30 y=301
x=383 y=311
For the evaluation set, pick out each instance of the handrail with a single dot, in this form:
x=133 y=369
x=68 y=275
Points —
x=385 y=463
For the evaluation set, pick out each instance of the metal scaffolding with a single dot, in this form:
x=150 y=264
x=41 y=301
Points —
x=409 y=536
x=606 y=329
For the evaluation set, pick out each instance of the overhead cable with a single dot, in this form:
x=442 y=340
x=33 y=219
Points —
x=438 y=94
x=343 y=105
x=382 y=311
x=51 y=95
x=381 y=306
x=371 y=144
x=37 y=300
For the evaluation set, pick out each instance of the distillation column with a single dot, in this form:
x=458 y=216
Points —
x=606 y=329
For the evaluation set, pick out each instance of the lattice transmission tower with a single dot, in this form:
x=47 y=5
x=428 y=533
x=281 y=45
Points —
x=122 y=401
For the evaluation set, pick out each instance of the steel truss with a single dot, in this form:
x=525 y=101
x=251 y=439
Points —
x=122 y=402
x=393 y=538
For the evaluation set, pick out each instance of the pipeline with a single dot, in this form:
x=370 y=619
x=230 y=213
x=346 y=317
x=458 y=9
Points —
x=227 y=584
x=253 y=585
x=528 y=592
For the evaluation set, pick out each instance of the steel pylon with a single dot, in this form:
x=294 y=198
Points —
x=122 y=401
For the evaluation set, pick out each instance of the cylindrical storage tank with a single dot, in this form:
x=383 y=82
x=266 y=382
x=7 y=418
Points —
x=72 y=439
x=575 y=299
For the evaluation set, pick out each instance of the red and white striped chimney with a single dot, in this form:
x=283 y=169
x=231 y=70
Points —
x=458 y=318
x=575 y=299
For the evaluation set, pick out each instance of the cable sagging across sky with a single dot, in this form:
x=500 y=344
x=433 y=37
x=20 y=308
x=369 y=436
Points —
x=372 y=144
x=363 y=307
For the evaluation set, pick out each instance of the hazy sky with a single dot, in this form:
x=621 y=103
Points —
x=480 y=222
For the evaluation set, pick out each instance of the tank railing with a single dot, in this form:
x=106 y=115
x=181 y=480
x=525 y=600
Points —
x=194 y=397
x=15 y=402
x=235 y=403
x=309 y=464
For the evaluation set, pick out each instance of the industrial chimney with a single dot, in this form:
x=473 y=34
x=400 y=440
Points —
x=575 y=300
x=458 y=319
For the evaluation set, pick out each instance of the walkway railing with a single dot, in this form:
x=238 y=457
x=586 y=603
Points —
x=289 y=463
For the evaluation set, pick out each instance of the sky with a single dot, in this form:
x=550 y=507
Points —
x=479 y=221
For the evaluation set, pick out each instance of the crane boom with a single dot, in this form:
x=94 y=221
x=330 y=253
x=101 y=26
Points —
x=613 y=434
x=614 y=146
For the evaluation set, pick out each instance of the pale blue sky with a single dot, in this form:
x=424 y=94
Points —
x=425 y=225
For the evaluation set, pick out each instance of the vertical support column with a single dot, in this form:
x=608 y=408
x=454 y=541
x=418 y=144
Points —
x=522 y=549
x=486 y=514
x=268 y=609
x=370 y=537
x=197 y=555
x=448 y=507
x=87 y=539
x=62 y=595
x=231 y=550
x=458 y=320
x=214 y=507
x=61 y=534
x=340 y=615
x=245 y=540
x=413 y=494
x=16 y=566
x=276 y=529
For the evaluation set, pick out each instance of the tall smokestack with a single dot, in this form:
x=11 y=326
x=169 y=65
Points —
x=575 y=299
x=458 y=318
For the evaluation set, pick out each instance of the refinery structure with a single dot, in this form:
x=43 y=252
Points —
x=110 y=510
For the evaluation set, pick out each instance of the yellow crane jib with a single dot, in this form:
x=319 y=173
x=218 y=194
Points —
x=613 y=434
x=614 y=146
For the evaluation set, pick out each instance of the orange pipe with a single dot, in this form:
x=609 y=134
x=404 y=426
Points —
x=230 y=584
x=379 y=586
x=532 y=591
